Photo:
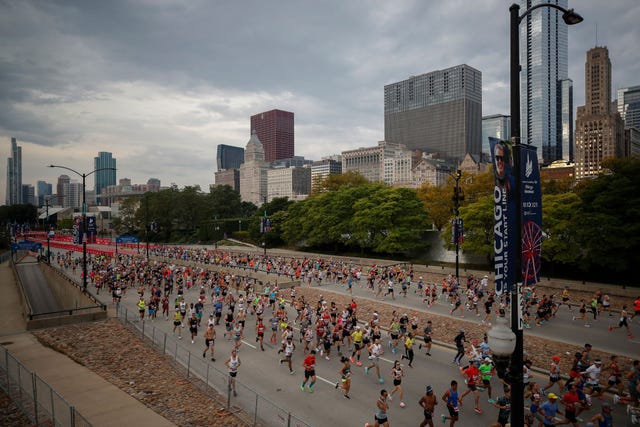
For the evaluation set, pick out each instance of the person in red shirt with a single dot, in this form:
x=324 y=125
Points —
x=571 y=402
x=636 y=308
x=309 y=365
x=472 y=375
x=260 y=333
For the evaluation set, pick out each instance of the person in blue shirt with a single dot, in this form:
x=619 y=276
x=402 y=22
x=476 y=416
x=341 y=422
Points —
x=549 y=409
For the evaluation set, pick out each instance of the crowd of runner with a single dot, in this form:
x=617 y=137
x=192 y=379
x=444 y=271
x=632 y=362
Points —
x=321 y=329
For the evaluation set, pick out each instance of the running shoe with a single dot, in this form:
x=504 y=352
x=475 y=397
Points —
x=346 y=396
x=443 y=417
x=351 y=359
x=491 y=401
x=302 y=387
x=381 y=380
x=337 y=385
x=390 y=398
x=366 y=370
x=310 y=389
x=402 y=405
x=478 y=410
x=292 y=372
x=359 y=363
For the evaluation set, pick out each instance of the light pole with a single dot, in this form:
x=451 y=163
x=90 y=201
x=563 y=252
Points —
x=46 y=203
x=84 y=217
x=457 y=229
x=515 y=371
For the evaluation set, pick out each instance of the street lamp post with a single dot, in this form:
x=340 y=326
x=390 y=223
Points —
x=457 y=197
x=515 y=371
x=84 y=217
x=47 y=229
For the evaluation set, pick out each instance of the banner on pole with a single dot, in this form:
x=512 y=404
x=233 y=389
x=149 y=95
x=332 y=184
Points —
x=531 y=215
x=504 y=215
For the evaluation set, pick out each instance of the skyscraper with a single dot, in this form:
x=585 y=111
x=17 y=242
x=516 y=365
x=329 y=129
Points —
x=229 y=157
x=62 y=188
x=44 y=191
x=546 y=104
x=275 y=130
x=104 y=178
x=629 y=106
x=599 y=128
x=497 y=126
x=253 y=172
x=437 y=112
x=14 y=175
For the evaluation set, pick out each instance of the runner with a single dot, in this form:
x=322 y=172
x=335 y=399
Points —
x=548 y=410
x=382 y=406
x=582 y=308
x=614 y=377
x=459 y=339
x=288 y=354
x=309 y=364
x=624 y=321
x=260 y=334
x=233 y=363
x=486 y=370
x=504 y=408
x=554 y=375
x=357 y=336
x=193 y=327
x=450 y=397
x=571 y=402
x=408 y=348
x=345 y=377
x=209 y=341
x=396 y=374
x=472 y=375
x=604 y=418
x=177 y=323
x=428 y=403
x=375 y=351
x=427 y=331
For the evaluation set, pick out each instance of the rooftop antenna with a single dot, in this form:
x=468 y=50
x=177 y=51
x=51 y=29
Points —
x=596 y=34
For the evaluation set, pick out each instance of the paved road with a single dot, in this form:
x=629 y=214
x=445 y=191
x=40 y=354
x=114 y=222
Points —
x=35 y=286
x=262 y=372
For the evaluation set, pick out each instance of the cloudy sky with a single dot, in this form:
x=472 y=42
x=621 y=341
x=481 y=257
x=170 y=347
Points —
x=159 y=83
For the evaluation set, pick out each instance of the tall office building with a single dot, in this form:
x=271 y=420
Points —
x=61 y=186
x=104 y=178
x=437 y=112
x=28 y=194
x=629 y=106
x=546 y=105
x=14 y=175
x=321 y=169
x=275 y=130
x=599 y=128
x=44 y=192
x=496 y=126
x=229 y=157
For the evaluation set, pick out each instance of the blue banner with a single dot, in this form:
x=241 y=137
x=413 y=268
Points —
x=531 y=215
x=92 y=229
x=504 y=215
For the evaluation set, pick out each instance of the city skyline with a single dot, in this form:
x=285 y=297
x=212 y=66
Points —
x=160 y=86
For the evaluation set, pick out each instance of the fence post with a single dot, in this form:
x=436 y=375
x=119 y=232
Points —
x=72 y=416
x=188 y=364
x=153 y=335
x=288 y=419
x=255 y=415
x=142 y=329
x=228 y=392
x=164 y=344
x=35 y=397
x=53 y=407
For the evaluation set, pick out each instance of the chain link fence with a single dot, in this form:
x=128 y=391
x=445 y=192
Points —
x=247 y=404
x=35 y=398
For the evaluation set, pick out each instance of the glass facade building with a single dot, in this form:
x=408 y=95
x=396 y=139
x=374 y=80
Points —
x=437 y=112
x=104 y=178
x=14 y=175
x=229 y=157
x=629 y=106
x=545 y=88
x=496 y=126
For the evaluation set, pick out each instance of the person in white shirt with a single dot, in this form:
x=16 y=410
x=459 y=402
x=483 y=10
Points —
x=592 y=374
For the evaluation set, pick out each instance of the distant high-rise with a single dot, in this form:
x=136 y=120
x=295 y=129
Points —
x=496 y=126
x=14 y=175
x=44 y=191
x=629 y=106
x=546 y=104
x=599 y=128
x=104 y=178
x=61 y=186
x=229 y=157
x=253 y=172
x=437 y=112
x=275 y=129
x=28 y=194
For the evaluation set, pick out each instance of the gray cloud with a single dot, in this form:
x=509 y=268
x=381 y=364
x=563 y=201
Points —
x=162 y=82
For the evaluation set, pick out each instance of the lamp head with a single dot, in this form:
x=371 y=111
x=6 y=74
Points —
x=570 y=17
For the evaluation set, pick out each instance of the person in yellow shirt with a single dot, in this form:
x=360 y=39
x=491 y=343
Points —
x=408 y=348
x=356 y=335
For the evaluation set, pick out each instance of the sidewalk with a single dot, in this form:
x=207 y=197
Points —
x=99 y=401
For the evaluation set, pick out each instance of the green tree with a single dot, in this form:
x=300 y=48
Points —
x=335 y=181
x=478 y=223
x=438 y=202
x=560 y=213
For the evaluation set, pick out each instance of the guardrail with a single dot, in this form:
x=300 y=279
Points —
x=35 y=398
x=249 y=406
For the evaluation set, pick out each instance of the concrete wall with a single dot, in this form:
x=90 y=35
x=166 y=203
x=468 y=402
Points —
x=68 y=295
